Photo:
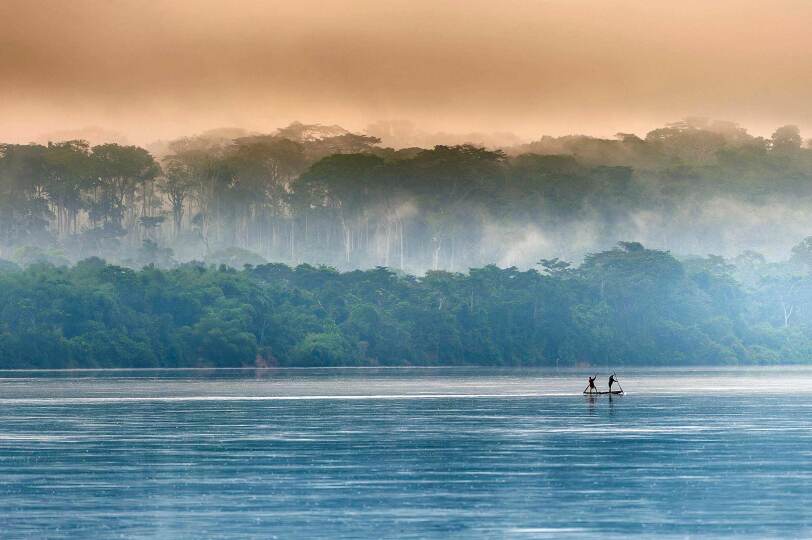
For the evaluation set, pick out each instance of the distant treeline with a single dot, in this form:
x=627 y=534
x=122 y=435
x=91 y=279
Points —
x=628 y=305
x=322 y=195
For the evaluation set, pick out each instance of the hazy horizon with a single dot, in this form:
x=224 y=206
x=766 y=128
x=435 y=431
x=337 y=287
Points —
x=414 y=74
x=152 y=71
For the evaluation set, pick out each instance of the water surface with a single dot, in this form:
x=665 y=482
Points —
x=404 y=453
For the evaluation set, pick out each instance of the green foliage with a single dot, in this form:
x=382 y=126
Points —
x=629 y=305
x=321 y=194
x=322 y=349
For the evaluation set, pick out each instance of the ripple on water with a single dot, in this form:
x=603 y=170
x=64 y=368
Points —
x=405 y=454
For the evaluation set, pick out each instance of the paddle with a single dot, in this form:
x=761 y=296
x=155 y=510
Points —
x=618 y=382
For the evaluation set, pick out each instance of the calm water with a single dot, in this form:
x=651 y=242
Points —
x=414 y=453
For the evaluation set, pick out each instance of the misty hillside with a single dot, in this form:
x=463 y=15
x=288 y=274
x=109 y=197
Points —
x=323 y=195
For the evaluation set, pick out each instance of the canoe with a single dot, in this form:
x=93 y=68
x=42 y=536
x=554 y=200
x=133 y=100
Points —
x=613 y=392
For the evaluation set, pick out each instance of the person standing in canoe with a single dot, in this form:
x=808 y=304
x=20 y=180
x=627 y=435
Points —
x=591 y=386
x=612 y=380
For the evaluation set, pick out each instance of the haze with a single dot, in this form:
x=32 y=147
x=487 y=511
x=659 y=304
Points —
x=150 y=70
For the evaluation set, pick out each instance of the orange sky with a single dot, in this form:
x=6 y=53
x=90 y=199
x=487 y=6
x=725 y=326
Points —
x=152 y=69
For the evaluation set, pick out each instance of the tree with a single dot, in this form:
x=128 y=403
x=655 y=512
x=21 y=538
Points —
x=68 y=175
x=341 y=186
x=786 y=139
x=802 y=253
x=24 y=208
x=177 y=184
x=451 y=183
x=120 y=171
x=555 y=267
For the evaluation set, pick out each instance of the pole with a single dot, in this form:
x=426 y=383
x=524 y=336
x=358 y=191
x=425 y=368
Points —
x=618 y=382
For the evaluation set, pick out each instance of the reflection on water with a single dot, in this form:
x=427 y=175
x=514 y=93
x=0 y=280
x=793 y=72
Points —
x=408 y=453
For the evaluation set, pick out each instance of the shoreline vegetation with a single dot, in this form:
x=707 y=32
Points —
x=621 y=307
x=99 y=251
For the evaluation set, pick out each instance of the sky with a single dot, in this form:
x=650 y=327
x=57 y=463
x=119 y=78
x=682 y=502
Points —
x=147 y=70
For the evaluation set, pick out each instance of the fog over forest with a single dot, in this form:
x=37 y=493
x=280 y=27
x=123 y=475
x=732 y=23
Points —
x=322 y=195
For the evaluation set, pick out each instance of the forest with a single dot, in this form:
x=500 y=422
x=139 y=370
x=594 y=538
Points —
x=626 y=306
x=313 y=245
x=322 y=195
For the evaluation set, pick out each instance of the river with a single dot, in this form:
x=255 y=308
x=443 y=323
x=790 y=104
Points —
x=405 y=453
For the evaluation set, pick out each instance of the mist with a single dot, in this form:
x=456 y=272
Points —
x=327 y=268
x=322 y=195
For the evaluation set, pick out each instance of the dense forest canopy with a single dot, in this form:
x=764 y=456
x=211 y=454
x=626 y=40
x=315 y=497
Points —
x=113 y=255
x=628 y=305
x=322 y=195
